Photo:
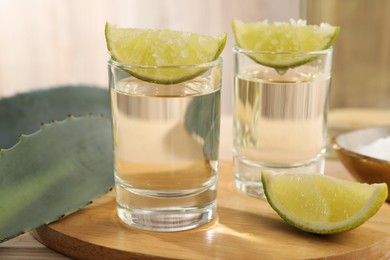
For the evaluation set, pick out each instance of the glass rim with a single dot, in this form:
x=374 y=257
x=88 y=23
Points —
x=209 y=64
x=237 y=49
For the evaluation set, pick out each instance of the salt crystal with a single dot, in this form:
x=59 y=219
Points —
x=298 y=22
x=379 y=149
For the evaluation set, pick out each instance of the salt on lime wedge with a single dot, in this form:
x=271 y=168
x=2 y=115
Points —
x=322 y=204
x=293 y=37
x=152 y=53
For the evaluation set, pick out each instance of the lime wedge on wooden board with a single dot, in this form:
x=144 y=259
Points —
x=322 y=204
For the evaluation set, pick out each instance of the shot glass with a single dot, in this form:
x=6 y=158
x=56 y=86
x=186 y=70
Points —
x=166 y=141
x=279 y=115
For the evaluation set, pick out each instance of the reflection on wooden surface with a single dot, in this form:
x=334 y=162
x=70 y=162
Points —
x=246 y=228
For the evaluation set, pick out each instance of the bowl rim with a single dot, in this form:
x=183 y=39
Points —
x=338 y=148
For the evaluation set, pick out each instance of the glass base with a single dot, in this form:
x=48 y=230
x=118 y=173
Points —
x=247 y=174
x=165 y=210
x=169 y=220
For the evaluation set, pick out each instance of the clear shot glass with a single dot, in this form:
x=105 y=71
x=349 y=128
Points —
x=279 y=115
x=166 y=140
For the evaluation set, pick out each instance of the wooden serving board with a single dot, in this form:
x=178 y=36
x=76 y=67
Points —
x=245 y=228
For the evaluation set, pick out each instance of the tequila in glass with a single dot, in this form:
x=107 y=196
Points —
x=166 y=140
x=279 y=120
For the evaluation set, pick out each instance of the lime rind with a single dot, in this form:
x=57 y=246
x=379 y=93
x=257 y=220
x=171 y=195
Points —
x=283 y=60
x=283 y=45
x=163 y=56
x=370 y=208
x=167 y=74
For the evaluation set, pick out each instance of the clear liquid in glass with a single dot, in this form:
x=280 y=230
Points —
x=166 y=151
x=279 y=124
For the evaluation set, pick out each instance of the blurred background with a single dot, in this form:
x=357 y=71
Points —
x=47 y=43
x=360 y=93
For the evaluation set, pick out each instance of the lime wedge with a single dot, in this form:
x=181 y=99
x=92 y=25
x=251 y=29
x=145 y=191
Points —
x=322 y=204
x=294 y=37
x=153 y=53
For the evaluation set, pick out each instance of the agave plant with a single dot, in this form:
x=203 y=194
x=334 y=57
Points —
x=56 y=156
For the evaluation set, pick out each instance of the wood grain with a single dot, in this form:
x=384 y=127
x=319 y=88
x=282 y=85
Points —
x=244 y=228
x=26 y=247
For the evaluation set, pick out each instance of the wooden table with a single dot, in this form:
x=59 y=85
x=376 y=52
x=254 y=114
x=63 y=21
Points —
x=368 y=240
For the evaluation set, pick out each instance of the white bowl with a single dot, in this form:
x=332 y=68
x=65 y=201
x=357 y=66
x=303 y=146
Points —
x=365 y=168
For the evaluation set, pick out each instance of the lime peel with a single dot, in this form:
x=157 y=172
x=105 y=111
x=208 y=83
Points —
x=322 y=204
x=283 y=44
x=162 y=56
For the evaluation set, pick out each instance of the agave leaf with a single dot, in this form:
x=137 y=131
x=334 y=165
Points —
x=23 y=113
x=53 y=172
x=203 y=119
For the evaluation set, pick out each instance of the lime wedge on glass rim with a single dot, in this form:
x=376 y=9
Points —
x=162 y=56
x=262 y=40
x=322 y=204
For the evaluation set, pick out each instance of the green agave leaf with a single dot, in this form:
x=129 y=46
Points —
x=23 y=113
x=53 y=172
x=61 y=166
x=202 y=119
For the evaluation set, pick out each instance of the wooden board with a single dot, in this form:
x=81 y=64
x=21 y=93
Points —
x=245 y=228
